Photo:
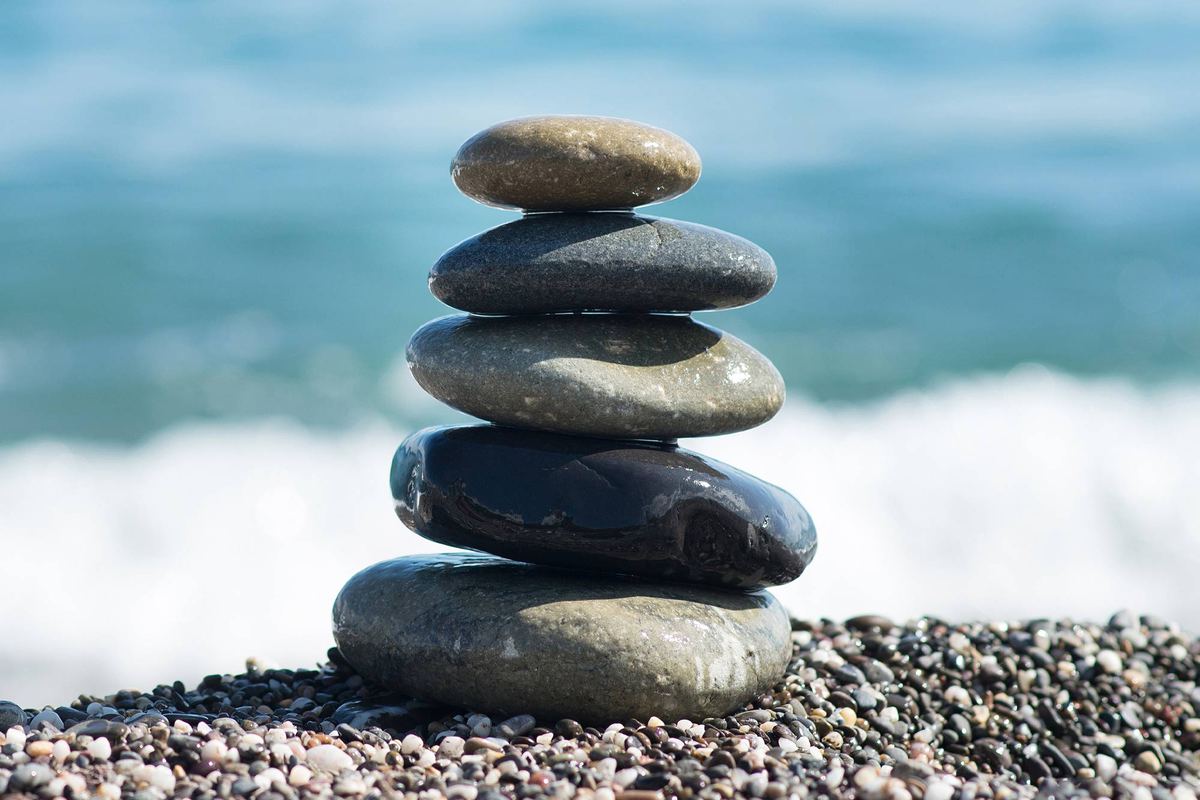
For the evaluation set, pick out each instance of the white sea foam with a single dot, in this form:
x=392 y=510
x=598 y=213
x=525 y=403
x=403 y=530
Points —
x=1028 y=494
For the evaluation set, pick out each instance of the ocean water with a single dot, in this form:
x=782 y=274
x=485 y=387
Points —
x=216 y=221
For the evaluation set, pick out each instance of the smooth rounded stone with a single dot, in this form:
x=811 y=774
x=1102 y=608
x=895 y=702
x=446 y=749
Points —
x=601 y=262
x=574 y=163
x=620 y=376
x=504 y=637
x=10 y=714
x=329 y=758
x=27 y=777
x=47 y=716
x=600 y=505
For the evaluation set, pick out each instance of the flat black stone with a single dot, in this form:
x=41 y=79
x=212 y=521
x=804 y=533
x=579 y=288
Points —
x=635 y=508
x=601 y=262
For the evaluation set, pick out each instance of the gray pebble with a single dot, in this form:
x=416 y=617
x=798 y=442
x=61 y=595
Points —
x=607 y=375
x=47 y=716
x=601 y=262
x=30 y=776
x=10 y=714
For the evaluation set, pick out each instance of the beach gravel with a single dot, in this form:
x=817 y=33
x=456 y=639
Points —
x=867 y=709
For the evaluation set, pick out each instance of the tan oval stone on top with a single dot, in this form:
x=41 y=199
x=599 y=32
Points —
x=574 y=163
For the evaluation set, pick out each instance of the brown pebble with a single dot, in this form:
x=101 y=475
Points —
x=1146 y=761
x=476 y=744
x=39 y=749
x=574 y=163
x=869 y=621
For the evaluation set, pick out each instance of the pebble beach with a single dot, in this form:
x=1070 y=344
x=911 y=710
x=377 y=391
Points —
x=867 y=708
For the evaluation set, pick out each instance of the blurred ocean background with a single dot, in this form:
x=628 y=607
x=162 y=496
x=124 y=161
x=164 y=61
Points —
x=216 y=221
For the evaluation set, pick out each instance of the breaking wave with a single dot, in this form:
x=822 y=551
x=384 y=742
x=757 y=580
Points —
x=1024 y=494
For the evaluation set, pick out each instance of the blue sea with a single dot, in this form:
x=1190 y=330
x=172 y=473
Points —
x=216 y=222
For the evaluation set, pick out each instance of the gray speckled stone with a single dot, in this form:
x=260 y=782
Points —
x=574 y=163
x=601 y=262
x=620 y=376
x=498 y=636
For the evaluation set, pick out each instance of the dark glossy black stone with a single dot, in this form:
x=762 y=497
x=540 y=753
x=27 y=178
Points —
x=637 y=508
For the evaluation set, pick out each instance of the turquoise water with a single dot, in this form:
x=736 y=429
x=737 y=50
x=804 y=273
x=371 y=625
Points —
x=213 y=211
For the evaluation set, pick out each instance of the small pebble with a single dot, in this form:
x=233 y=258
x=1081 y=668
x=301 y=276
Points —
x=1109 y=661
x=452 y=747
x=329 y=758
x=299 y=775
x=961 y=712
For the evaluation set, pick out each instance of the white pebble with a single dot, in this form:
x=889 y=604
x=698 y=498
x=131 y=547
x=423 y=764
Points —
x=159 y=777
x=451 y=747
x=214 y=750
x=1106 y=767
x=867 y=777
x=480 y=725
x=299 y=775
x=329 y=758
x=604 y=793
x=109 y=791
x=625 y=777
x=606 y=768
x=958 y=695
x=16 y=737
x=1110 y=661
x=99 y=749
x=461 y=791
x=938 y=790
x=352 y=783
x=268 y=776
x=61 y=749
x=411 y=744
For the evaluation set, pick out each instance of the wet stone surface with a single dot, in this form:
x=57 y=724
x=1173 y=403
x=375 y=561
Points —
x=607 y=375
x=600 y=505
x=574 y=163
x=502 y=636
x=601 y=262
x=1044 y=717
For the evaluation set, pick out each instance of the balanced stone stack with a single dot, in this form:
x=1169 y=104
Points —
x=626 y=577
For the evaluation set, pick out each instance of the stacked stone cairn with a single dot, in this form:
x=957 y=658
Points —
x=626 y=575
